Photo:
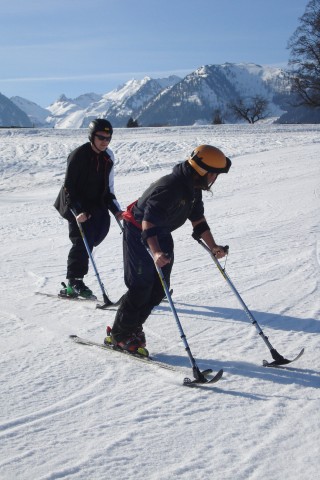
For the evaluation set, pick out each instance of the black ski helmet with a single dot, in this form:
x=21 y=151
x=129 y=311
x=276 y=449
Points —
x=99 y=125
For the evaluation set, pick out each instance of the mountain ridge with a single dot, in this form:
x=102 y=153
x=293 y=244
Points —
x=168 y=101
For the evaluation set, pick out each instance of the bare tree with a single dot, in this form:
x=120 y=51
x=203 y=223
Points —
x=305 y=56
x=251 y=109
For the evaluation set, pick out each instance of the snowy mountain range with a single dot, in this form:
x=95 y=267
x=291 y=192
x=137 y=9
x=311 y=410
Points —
x=167 y=101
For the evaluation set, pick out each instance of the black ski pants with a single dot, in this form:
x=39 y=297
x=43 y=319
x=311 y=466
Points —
x=95 y=230
x=145 y=290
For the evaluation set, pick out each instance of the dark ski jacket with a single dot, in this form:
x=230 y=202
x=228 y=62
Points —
x=88 y=183
x=171 y=200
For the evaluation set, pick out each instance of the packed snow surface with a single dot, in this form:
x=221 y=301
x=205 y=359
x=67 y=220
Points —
x=74 y=412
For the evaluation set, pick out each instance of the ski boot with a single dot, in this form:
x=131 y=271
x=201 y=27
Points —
x=131 y=344
x=141 y=336
x=63 y=292
x=76 y=288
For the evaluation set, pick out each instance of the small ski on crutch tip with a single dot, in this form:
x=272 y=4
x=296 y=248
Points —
x=278 y=360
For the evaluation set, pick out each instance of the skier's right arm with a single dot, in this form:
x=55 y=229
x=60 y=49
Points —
x=150 y=238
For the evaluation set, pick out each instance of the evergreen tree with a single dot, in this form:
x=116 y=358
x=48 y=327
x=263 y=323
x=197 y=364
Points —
x=132 y=123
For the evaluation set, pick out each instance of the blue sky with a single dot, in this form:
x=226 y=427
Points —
x=79 y=46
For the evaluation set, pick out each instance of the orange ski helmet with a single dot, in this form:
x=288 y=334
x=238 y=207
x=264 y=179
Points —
x=207 y=158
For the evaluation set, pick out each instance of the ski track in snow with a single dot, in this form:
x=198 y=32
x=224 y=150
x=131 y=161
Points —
x=76 y=412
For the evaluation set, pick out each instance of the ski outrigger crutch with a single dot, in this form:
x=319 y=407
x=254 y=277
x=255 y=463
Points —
x=278 y=359
x=199 y=377
x=106 y=299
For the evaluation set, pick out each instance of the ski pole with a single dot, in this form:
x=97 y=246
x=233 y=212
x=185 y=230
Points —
x=198 y=375
x=119 y=223
x=107 y=301
x=278 y=359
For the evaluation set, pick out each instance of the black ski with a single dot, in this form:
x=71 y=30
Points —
x=149 y=360
x=70 y=297
x=93 y=298
x=101 y=305
x=136 y=356
x=282 y=363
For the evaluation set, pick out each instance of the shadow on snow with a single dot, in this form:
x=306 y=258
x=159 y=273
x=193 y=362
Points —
x=265 y=319
x=282 y=375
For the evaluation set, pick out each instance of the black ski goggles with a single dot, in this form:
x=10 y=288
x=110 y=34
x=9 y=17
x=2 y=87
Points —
x=102 y=138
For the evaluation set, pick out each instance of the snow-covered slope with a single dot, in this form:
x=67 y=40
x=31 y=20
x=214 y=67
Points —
x=71 y=412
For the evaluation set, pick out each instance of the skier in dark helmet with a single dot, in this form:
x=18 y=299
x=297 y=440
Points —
x=161 y=209
x=89 y=191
